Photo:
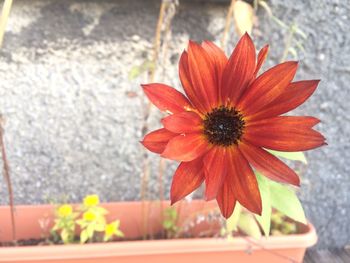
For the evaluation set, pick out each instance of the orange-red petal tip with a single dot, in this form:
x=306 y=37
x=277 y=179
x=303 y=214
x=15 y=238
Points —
x=173 y=201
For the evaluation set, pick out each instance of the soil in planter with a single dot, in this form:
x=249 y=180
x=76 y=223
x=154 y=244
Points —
x=48 y=242
x=27 y=242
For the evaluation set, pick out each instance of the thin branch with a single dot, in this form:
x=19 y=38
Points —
x=227 y=24
x=147 y=109
x=3 y=18
x=157 y=38
x=6 y=173
x=288 y=43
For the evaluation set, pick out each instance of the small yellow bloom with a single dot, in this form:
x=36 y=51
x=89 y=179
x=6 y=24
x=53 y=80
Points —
x=89 y=216
x=110 y=229
x=65 y=210
x=91 y=200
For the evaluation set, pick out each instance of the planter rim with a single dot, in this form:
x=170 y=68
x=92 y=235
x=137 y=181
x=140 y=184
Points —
x=152 y=247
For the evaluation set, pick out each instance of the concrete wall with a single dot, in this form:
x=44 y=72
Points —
x=72 y=127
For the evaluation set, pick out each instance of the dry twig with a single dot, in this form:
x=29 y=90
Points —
x=3 y=18
x=227 y=24
x=6 y=173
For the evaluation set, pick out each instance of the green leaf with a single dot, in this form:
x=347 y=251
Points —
x=232 y=221
x=119 y=233
x=167 y=224
x=100 y=227
x=138 y=70
x=83 y=236
x=285 y=200
x=134 y=72
x=117 y=223
x=295 y=156
x=65 y=236
x=171 y=213
x=81 y=223
x=100 y=211
x=265 y=219
x=248 y=225
x=90 y=229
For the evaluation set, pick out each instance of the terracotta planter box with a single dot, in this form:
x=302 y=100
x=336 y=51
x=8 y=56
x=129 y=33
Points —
x=240 y=249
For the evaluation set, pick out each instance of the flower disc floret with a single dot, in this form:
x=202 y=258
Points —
x=223 y=126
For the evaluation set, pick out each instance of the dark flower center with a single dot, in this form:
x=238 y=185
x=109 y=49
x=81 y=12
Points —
x=223 y=126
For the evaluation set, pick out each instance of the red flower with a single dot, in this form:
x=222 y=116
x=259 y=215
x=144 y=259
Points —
x=227 y=119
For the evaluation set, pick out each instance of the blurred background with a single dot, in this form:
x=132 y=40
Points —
x=74 y=113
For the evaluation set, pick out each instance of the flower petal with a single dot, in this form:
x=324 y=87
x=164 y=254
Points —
x=203 y=75
x=187 y=178
x=243 y=182
x=304 y=121
x=183 y=122
x=215 y=171
x=166 y=98
x=239 y=70
x=186 y=147
x=295 y=94
x=226 y=199
x=186 y=82
x=218 y=59
x=269 y=165
x=216 y=55
x=261 y=58
x=284 y=133
x=157 y=140
x=267 y=87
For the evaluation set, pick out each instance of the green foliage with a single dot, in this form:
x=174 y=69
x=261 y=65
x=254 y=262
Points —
x=285 y=200
x=248 y=225
x=274 y=196
x=281 y=225
x=90 y=217
x=111 y=230
x=294 y=156
x=265 y=219
x=169 y=222
x=136 y=71
x=292 y=43
x=243 y=221
x=280 y=197
x=93 y=220
x=232 y=222
x=65 y=223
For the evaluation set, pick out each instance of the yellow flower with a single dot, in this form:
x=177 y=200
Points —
x=91 y=200
x=110 y=229
x=89 y=216
x=65 y=210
